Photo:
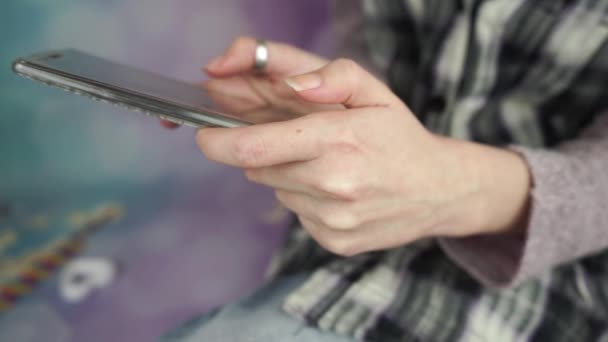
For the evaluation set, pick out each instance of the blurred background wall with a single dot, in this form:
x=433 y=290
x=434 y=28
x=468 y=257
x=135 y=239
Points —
x=192 y=234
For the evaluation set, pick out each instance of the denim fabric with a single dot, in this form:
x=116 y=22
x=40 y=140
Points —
x=258 y=317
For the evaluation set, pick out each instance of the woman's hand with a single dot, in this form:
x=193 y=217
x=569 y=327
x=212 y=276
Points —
x=235 y=88
x=370 y=176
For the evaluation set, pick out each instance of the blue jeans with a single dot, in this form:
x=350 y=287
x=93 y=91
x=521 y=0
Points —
x=256 y=318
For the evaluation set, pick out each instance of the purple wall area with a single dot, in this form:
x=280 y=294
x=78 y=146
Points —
x=195 y=234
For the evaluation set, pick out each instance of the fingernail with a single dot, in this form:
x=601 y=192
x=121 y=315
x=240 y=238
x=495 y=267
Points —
x=214 y=63
x=304 y=82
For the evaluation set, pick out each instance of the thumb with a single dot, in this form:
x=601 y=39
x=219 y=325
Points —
x=343 y=82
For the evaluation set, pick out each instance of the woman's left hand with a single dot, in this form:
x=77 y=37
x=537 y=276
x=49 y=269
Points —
x=371 y=177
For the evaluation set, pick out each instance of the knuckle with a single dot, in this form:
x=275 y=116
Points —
x=348 y=68
x=341 y=187
x=344 y=139
x=348 y=65
x=324 y=216
x=250 y=151
x=340 y=220
x=341 y=247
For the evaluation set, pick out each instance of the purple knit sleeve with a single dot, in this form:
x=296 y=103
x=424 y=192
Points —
x=568 y=219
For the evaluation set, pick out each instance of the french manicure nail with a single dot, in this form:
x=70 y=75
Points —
x=304 y=82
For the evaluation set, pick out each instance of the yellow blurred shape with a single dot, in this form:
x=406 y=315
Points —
x=38 y=222
x=107 y=212
x=8 y=237
x=77 y=219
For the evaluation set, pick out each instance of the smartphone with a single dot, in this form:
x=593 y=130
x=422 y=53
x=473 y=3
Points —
x=107 y=81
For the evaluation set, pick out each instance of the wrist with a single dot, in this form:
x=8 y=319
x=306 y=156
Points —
x=501 y=182
x=505 y=188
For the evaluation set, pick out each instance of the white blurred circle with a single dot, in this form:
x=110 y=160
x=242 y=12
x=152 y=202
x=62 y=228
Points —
x=81 y=277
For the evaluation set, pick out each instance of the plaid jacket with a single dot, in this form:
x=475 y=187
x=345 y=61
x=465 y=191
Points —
x=525 y=72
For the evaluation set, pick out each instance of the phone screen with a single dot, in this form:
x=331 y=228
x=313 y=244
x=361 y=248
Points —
x=151 y=85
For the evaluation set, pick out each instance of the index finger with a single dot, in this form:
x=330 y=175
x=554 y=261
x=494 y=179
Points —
x=283 y=59
x=263 y=145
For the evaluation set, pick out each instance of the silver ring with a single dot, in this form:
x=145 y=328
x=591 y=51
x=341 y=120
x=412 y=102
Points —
x=261 y=55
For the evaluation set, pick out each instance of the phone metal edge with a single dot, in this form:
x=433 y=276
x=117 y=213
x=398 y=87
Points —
x=121 y=98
